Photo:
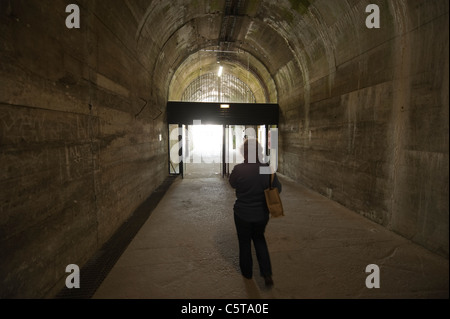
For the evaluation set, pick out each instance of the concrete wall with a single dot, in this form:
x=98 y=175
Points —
x=79 y=147
x=367 y=124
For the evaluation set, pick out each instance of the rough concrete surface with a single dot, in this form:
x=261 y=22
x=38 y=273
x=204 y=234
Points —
x=187 y=249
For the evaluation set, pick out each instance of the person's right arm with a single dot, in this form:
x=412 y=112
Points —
x=276 y=183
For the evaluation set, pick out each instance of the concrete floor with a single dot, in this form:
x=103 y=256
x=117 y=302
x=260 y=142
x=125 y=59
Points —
x=188 y=249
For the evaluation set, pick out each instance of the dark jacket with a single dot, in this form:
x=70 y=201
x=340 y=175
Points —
x=250 y=202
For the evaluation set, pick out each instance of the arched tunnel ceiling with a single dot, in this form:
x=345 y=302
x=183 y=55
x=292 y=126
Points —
x=205 y=61
x=175 y=37
x=285 y=43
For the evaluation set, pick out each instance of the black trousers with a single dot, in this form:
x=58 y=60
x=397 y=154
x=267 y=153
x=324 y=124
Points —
x=248 y=232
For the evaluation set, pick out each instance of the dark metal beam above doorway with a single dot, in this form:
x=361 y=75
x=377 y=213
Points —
x=222 y=113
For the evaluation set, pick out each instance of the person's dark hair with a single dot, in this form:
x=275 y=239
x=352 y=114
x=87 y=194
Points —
x=252 y=150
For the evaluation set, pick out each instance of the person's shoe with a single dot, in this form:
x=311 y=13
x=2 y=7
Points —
x=268 y=281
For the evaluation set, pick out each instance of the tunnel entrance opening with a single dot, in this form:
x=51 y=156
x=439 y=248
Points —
x=203 y=150
x=198 y=151
x=218 y=98
x=205 y=138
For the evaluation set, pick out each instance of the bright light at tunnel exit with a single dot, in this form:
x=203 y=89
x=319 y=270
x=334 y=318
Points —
x=207 y=140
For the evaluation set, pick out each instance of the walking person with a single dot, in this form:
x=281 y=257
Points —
x=250 y=210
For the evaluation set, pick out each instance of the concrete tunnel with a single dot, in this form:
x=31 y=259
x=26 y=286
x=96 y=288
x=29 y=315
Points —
x=363 y=113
